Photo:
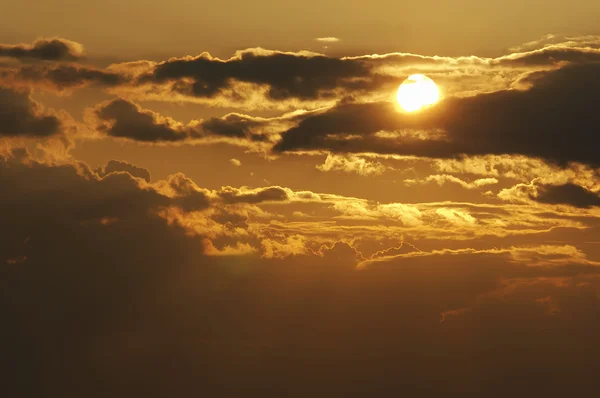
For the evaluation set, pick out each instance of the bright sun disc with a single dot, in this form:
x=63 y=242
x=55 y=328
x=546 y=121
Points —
x=417 y=92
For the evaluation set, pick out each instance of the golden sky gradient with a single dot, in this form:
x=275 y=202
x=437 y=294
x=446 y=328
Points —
x=159 y=29
x=226 y=200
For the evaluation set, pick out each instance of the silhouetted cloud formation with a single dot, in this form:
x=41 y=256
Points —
x=459 y=276
x=49 y=49
x=258 y=78
x=237 y=126
x=131 y=121
x=62 y=77
x=257 y=196
x=115 y=166
x=21 y=116
x=288 y=75
x=93 y=274
x=124 y=119
x=554 y=120
x=570 y=194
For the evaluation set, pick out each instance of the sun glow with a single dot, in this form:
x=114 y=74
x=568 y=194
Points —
x=417 y=92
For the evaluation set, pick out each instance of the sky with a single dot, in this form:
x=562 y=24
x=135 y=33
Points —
x=227 y=199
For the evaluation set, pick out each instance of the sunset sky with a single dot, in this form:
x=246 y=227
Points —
x=231 y=199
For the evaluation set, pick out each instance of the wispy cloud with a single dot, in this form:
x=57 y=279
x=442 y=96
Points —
x=328 y=39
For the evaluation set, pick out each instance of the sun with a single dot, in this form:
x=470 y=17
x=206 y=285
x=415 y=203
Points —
x=417 y=92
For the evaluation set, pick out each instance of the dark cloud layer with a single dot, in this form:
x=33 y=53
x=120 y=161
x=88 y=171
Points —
x=285 y=76
x=64 y=77
x=21 y=116
x=313 y=76
x=53 y=49
x=556 y=120
x=125 y=119
x=113 y=285
x=570 y=194
x=130 y=121
x=553 y=55
x=97 y=288
x=288 y=75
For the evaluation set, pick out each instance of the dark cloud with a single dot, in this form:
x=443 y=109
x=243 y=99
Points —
x=21 y=116
x=125 y=119
x=231 y=126
x=288 y=75
x=83 y=196
x=569 y=194
x=555 y=120
x=189 y=196
x=556 y=55
x=285 y=76
x=72 y=259
x=52 y=49
x=309 y=77
x=80 y=198
x=97 y=287
x=102 y=285
x=115 y=166
x=63 y=76
x=128 y=120
x=271 y=194
x=236 y=125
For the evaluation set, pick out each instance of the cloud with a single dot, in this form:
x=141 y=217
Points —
x=328 y=39
x=520 y=168
x=341 y=251
x=115 y=166
x=570 y=194
x=185 y=193
x=563 y=194
x=456 y=216
x=124 y=119
x=20 y=116
x=48 y=49
x=555 y=40
x=68 y=195
x=291 y=246
x=62 y=77
x=442 y=179
x=286 y=75
x=231 y=217
x=236 y=125
x=255 y=291
x=235 y=162
x=245 y=195
x=240 y=249
x=351 y=164
x=403 y=248
x=551 y=55
x=87 y=248
x=246 y=80
x=95 y=250
x=121 y=118
x=543 y=256
x=477 y=125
